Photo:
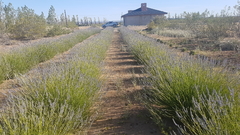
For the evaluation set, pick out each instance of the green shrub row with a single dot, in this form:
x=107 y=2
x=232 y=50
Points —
x=194 y=92
x=58 y=98
x=21 y=59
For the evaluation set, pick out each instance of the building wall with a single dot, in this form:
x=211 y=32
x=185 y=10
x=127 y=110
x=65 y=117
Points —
x=137 y=20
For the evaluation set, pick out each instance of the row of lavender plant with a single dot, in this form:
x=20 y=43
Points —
x=200 y=97
x=58 y=97
x=21 y=59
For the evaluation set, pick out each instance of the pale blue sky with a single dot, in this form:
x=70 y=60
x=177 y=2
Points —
x=112 y=10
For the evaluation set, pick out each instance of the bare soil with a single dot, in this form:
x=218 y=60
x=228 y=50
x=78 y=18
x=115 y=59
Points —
x=120 y=112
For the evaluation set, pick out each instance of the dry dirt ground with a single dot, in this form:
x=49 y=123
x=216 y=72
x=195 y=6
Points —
x=120 y=113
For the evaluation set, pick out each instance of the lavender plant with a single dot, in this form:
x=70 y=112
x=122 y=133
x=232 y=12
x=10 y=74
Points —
x=175 y=80
x=57 y=98
x=23 y=58
x=221 y=117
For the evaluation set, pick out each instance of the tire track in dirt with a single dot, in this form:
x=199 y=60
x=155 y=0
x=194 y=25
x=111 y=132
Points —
x=119 y=112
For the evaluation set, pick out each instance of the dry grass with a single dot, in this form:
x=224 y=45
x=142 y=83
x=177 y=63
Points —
x=137 y=28
x=232 y=56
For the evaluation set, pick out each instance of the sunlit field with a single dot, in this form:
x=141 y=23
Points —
x=198 y=95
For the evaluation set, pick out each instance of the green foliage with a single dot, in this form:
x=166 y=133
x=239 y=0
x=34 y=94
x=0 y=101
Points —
x=191 y=52
x=57 y=30
x=183 y=50
x=72 y=25
x=151 y=26
x=51 y=19
x=159 y=40
x=2 y=31
x=28 y=25
x=158 y=22
x=215 y=27
x=9 y=13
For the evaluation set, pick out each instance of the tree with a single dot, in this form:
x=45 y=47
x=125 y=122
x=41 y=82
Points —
x=1 y=11
x=237 y=8
x=62 y=19
x=73 y=19
x=85 y=21
x=51 y=19
x=42 y=15
x=77 y=19
x=90 y=20
x=28 y=24
x=160 y=21
x=81 y=21
x=9 y=16
x=95 y=21
x=2 y=27
x=99 y=20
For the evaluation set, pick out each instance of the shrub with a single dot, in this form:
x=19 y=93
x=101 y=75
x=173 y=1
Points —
x=183 y=50
x=159 y=40
x=57 y=30
x=151 y=26
x=191 y=52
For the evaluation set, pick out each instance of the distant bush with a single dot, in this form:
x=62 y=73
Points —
x=191 y=53
x=183 y=50
x=231 y=45
x=159 y=40
x=57 y=30
x=151 y=26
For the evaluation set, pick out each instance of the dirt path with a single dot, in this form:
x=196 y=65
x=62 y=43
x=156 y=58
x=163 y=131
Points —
x=120 y=113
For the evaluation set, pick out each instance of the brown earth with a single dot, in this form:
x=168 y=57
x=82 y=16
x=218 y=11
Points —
x=120 y=112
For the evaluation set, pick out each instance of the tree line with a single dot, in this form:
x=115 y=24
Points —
x=24 y=23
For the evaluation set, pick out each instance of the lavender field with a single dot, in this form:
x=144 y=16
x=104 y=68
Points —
x=199 y=95
x=59 y=95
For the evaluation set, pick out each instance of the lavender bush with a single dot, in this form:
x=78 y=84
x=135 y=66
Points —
x=174 y=80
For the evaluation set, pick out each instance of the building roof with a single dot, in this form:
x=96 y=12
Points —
x=149 y=11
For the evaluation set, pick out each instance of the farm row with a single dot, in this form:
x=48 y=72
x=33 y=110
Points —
x=200 y=96
x=58 y=97
x=20 y=59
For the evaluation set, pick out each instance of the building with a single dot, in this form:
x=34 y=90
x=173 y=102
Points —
x=141 y=16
